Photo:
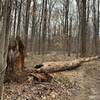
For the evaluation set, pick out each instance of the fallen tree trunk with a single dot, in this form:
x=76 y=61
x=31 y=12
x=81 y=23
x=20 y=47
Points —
x=42 y=72
x=58 y=66
x=52 y=67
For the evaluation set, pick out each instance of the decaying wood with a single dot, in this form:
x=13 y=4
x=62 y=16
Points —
x=30 y=76
x=15 y=59
x=52 y=67
x=19 y=55
x=42 y=72
x=41 y=77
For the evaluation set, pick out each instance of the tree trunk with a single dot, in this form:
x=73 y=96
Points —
x=44 y=28
x=0 y=10
x=40 y=28
x=28 y=2
x=83 y=29
x=66 y=25
x=33 y=30
x=69 y=37
x=95 y=27
x=19 y=18
x=4 y=44
x=15 y=15
x=98 y=28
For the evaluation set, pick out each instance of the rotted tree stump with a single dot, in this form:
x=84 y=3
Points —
x=15 y=70
x=15 y=60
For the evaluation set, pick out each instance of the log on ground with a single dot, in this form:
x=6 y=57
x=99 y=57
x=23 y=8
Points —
x=52 y=67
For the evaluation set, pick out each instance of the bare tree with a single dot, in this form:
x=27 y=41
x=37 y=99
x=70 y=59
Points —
x=26 y=28
x=40 y=27
x=15 y=16
x=66 y=23
x=83 y=29
x=4 y=41
x=44 y=28
x=82 y=21
x=33 y=30
x=69 y=37
x=50 y=8
x=0 y=9
x=19 y=18
x=96 y=27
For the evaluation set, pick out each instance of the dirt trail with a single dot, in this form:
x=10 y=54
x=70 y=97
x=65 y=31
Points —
x=89 y=82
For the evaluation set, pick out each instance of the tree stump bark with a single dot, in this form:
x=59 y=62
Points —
x=15 y=60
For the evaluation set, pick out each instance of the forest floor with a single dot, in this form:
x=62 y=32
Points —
x=82 y=83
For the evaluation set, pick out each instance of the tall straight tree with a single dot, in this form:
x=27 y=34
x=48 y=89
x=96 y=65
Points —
x=98 y=19
x=66 y=24
x=98 y=15
x=15 y=16
x=40 y=27
x=96 y=26
x=19 y=18
x=28 y=3
x=44 y=27
x=69 y=37
x=88 y=10
x=4 y=42
x=0 y=9
x=82 y=25
x=51 y=4
x=33 y=29
x=83 y=29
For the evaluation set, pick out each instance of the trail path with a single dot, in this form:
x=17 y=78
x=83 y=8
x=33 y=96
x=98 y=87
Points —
x=88 y=81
